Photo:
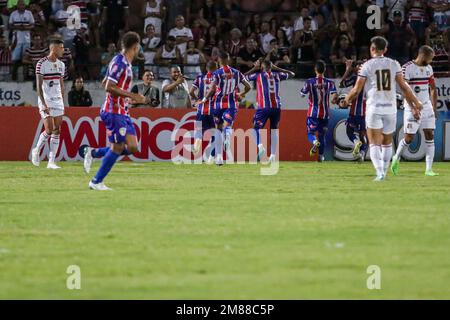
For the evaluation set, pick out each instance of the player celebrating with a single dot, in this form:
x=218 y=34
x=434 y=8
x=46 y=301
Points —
x=50 y=89
x=381 y=75
x=204 y=118
x=319 y=90
x=225 y=91
x=114 y=112
x=268 y=102
x=356 y=122
x=419 y=75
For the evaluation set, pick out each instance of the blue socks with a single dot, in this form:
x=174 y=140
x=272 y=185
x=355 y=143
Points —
x=107 y=164
x=101 y=152
x=311 y=137
x=322 y=143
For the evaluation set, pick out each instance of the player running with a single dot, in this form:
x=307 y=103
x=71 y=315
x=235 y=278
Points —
x=381 y=74
x=114 y=112
x=50 y=89
x=204 y=118
x=268 y=78
x=356 y=122
x=225 y=90
x=419 y=75
x=319 y=90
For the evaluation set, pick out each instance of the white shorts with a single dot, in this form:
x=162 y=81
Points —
x=387 y=122
x=427 y=121
x=55 y=110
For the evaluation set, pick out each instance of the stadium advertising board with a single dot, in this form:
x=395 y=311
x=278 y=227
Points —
x=155 y=132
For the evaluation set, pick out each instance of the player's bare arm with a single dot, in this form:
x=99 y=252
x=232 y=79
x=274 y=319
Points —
x=348 y=71
x=434 y=96
x=192 y=93
x=61 y=83
x=112 y=88
x=40 y=92
x=247 y=88
x=277 y=68
x=415 y=104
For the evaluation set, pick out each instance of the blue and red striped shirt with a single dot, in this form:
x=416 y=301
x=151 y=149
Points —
x=203 y=83
x=358 y=106
x=227 y=82
x=121 y=73
x=268 y=88
x=319 y=90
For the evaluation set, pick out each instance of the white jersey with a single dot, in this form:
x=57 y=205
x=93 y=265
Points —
x=380 y=73
x=419 y=79
x=52 y=73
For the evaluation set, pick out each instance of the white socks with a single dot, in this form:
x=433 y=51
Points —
x=54 y=144
x=43 y=138
x=429 y=154
x=273 y=141
x=386 y=155
x=401 y=146
x=376 y=157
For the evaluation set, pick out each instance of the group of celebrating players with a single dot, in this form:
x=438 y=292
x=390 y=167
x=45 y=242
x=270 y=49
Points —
x=370 y=125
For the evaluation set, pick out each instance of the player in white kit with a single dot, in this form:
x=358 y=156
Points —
x=419 y=75
x=379 y=76
x=50 y=89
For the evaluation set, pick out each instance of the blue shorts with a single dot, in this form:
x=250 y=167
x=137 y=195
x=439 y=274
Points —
x=358 y=123
x=206 y=121
x=117 y=126
x=225 y=115
x=262 y=115
x=316 y=125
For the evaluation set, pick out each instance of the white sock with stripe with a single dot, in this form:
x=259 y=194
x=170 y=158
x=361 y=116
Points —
x=401 y=146
x=43 y=138
x=54 y=144
x=429 y=154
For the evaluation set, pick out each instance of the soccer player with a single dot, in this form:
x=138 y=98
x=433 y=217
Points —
x=50 y=89
x=225 y=90
x=356 y=122
x=204 y=118
x=319 y=90
x=114 y=112
x=381 y=75
x=419 y=75
x=268 y=78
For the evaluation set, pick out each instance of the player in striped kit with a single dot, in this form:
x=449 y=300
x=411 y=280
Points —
x=114 y=112
x=356 y=122
x=50 y=89
x=380 y=75
x=319 y=90
x=225 y=90
x=268 y=78
x=419 y=75
x=204 y=118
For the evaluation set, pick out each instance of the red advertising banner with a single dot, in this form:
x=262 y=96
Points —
x=21 y=127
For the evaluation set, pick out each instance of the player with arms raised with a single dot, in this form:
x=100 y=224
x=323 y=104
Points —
x=419 y=75
x=114 y=112
x=225 y=90
x=50 y=89
x=381 y=74
x=319 y=90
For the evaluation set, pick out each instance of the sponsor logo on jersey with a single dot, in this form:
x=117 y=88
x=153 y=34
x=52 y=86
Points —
x=123 y=131
x=416 y=89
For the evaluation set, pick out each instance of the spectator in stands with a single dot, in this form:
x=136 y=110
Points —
x=78 y=96
x=150 y=44
x=265 y=37
x=401 y=38
x=40 y=24
x=395 y=5
x=436 y=39
x=194 y=59
x=299 y=23
x=277 y=56
x=288 y=28
x=336 y=9
x=208 y=14
x=344 y=29
x=227 y=12
x=21 y=22
x=198 y=33
x=175 y=90
x=167 y=55
x=107 y=57
x=235 y=44
x=114 y=19
x=5 y=60
x=342 y=52
x=441 y=13
x=181 y=33
x=150 y=92
x=33 y=54
x=211 y=41
x=81 y=51
x=94 y=14
x=283 y=43
x=254 y=26
x=303 y=50
x=154 y=13
x=248 y=55
x=68 y=33
x=418 y=20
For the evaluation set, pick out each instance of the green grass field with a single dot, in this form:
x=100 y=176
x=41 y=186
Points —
x=206 y=232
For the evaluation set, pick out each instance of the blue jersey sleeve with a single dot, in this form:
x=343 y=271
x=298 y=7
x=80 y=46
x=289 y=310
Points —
x=305 y=90
x=196 y=83
x=115 y=71
x=252 y=77
x=349 y=82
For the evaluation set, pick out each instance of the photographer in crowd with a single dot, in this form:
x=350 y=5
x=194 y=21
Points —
x=151 y=93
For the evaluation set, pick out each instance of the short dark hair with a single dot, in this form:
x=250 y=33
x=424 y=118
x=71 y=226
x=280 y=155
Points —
x=171 y=38
x=380 y=43
x=267 y=64
x=307 y=19
x=175 y=66
x=211 y=65
x=273 y=40
x=320 y=66
x=148 y=70
x=426 y=50
x=56 y=41
x=223 y=55
x=130 y=39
